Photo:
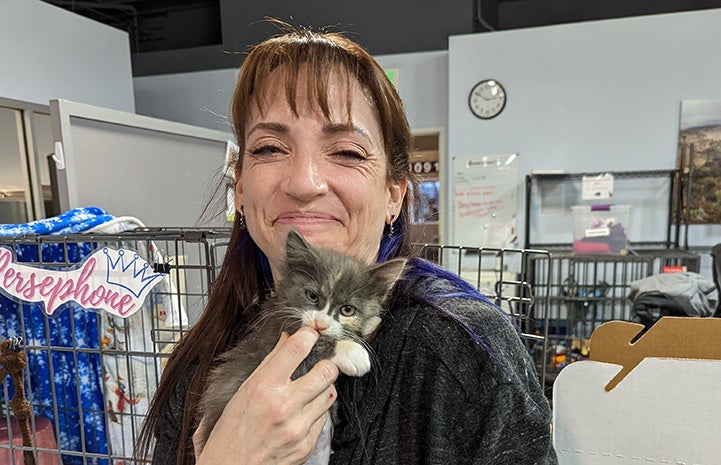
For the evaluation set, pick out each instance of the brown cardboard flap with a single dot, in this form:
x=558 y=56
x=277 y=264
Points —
x=670 y=337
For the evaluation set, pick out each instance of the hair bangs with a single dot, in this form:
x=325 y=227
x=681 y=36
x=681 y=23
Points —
x=298 y=62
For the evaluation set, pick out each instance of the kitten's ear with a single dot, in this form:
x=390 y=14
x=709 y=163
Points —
x=385 y=275
x=296 y=248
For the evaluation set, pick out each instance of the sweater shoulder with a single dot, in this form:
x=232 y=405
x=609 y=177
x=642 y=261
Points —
x=439 y=306
x=467 y=333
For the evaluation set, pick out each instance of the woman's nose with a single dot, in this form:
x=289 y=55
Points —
x=304 y=178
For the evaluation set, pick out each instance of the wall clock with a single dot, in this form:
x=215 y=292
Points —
x=487 y=99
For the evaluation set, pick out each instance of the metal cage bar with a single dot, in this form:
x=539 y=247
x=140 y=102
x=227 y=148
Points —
x=508 y=277
x=90 y=375
x=585 y=291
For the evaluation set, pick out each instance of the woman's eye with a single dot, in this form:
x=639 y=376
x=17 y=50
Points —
x=312 y=296
x=266 y=150
x=350 y=154
x=347 y=310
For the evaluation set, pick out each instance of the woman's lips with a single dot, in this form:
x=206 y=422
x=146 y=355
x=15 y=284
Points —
x=304 y=218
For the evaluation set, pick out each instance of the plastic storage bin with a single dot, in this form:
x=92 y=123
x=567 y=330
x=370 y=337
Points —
x=600 y=229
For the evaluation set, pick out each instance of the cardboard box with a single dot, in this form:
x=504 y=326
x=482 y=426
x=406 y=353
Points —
x=654 y=400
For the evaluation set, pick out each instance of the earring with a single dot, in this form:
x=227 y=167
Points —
x=241 y=218
x=390 y=227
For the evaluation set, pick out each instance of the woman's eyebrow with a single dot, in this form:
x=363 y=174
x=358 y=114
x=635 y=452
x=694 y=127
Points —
x=334 y=128
x=274 y=127
x=330 y=128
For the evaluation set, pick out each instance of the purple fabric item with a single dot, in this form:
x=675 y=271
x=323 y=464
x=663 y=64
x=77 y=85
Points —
x=601 y=208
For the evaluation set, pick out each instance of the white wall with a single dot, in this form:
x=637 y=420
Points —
x=593 y=96
x=48 y=53
x=422 y=85
x=199 y=98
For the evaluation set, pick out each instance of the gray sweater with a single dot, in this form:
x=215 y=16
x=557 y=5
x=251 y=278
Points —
x=438 y=396
x=435 y=395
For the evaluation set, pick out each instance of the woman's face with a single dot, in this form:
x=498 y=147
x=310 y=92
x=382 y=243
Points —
x=325 y=178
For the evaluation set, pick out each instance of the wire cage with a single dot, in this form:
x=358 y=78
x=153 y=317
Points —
x=89 y=375
x=584 y=291
x=504 y=276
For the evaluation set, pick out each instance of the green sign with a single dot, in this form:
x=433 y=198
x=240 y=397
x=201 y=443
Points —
x=393 y=76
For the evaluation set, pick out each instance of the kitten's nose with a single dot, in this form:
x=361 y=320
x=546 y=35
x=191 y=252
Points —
x=320 y=325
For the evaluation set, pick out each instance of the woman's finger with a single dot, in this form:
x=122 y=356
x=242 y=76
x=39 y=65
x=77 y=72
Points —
x=313 y=387
x=288 y=353
x=283 y=337
x=319 y=406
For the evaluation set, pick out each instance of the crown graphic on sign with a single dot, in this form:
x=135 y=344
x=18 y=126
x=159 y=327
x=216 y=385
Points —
x=134 y=275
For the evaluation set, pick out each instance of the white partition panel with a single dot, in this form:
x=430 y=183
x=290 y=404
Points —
x=159 y=171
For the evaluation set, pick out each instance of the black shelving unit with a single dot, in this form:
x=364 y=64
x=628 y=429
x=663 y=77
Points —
x=576 y=293
x=672 y=219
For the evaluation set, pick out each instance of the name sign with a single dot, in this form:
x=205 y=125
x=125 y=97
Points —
x=117 y=281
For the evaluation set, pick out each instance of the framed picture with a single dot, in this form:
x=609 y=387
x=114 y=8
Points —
x=699 y=159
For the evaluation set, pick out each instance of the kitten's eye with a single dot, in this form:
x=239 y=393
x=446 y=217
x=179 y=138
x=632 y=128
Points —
x=347 y=310
x=312 y=296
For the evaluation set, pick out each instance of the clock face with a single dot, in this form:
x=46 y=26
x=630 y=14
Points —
x=487 y=99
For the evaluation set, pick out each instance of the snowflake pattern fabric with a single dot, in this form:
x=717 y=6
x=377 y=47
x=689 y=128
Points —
x=82 y=377
x=65 y=384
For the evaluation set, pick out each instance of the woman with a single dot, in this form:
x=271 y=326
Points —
x=324 y=148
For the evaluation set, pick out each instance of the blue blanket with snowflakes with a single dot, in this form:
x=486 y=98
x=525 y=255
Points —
x=72 y=221
x=65 y=383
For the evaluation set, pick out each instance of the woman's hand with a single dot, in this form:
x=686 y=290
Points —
x=271 y=419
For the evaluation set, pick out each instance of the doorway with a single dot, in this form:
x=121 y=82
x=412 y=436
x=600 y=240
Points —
x=426 y=164
x=25 y=141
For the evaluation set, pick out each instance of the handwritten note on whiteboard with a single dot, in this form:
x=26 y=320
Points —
x=484 y=201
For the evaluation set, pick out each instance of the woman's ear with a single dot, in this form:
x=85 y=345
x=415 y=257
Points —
x=397 y=192
x=238 y=197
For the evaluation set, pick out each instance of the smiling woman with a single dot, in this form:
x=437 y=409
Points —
x=323 y=175
x=324 y=149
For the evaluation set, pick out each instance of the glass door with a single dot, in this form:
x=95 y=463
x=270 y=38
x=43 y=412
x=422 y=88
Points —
x=26 y=141
x=15 y=195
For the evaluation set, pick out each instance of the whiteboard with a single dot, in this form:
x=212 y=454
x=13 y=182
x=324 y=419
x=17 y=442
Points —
x=158 y=171
x=485 y=190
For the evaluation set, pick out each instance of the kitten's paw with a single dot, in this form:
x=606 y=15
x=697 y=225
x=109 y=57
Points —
x=351 y=358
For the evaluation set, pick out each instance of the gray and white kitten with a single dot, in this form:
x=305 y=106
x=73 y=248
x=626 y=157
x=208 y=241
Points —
x=339 y=296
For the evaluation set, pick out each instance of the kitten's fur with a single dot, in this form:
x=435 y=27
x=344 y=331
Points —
x=317 y=284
